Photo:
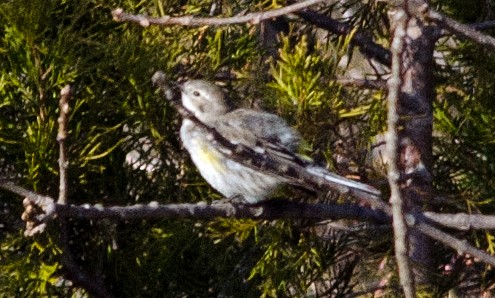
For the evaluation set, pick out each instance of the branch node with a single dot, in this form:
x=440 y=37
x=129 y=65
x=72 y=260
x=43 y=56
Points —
x=143 y=21
x=117 y=14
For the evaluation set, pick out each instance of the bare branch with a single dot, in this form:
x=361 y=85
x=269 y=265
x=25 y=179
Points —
x=462 y=30
x=461 y=246
x=267 y=210
x=272 y=209
x=483 y=25
x=36 y=207
x=92 y=284
x=399 y=20
x=459 y=221
x=422 y=10
x=462 y=221
x=35 y=198
x=61 y=137
x=366 y=45
x=251 y=18
x=363 y=83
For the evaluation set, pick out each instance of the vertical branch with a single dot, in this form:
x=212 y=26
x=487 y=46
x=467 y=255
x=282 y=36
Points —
x=416 y=120
x=61 y=137
x=92 y=285
x=399 y=223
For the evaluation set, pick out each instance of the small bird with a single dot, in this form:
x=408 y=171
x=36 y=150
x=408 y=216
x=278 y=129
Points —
x=251 y=128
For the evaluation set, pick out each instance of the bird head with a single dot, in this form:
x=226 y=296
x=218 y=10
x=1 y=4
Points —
x=204 y=99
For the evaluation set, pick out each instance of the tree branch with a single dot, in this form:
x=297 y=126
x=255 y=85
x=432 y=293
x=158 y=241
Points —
x=422 y=10
x=399 y=21
x=483 y=25
x=461 y=246
x=366 y=45
x=266 y=210
x=462 y=221
x=93 y=285
x=61 y=137
x=462 y=30
x=252 y=18
x=269 y=210
x=458 y=221
x=363 y=83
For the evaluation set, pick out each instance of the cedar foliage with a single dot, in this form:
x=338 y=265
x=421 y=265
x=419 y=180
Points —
x=114 y=110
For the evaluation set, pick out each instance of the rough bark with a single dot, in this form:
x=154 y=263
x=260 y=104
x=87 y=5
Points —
x=416 y=119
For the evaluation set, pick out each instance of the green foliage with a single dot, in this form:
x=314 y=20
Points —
x=114 y=110
x=290 y=266
x=306 y=92
x=300 y=92
x=35 y=273
x=465 y=147
x=464 y=120
x=45 y=45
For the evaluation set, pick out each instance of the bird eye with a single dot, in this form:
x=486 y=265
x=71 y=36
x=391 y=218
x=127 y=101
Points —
x=196 y=93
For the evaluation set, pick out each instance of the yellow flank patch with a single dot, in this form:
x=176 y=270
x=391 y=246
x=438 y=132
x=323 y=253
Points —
x=211 y=157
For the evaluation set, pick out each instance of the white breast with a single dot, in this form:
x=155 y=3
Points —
x=226 y=176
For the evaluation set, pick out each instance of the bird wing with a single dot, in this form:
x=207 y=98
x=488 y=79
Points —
x=253 y=128
x=270 y=134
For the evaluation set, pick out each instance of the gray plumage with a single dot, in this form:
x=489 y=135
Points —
x=241 y=126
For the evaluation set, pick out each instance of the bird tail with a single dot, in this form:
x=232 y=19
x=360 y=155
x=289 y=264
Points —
x=342 y=181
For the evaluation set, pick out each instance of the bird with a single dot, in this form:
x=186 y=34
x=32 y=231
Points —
x=255 y=129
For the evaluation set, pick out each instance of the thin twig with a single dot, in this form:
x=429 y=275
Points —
x=461 y=246
x=462 y=30
x=367 y=46
x=252 y=18
x=363 y=83
x=400 y=20
x=423 y=10
x=462 y=221
x=483 y=25
x=93 y=285
x=61 y=137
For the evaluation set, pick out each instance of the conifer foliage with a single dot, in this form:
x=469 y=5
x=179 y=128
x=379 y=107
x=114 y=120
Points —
x=324 y=68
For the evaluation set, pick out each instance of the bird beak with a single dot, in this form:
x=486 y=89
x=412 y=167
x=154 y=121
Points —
x=180 y=84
